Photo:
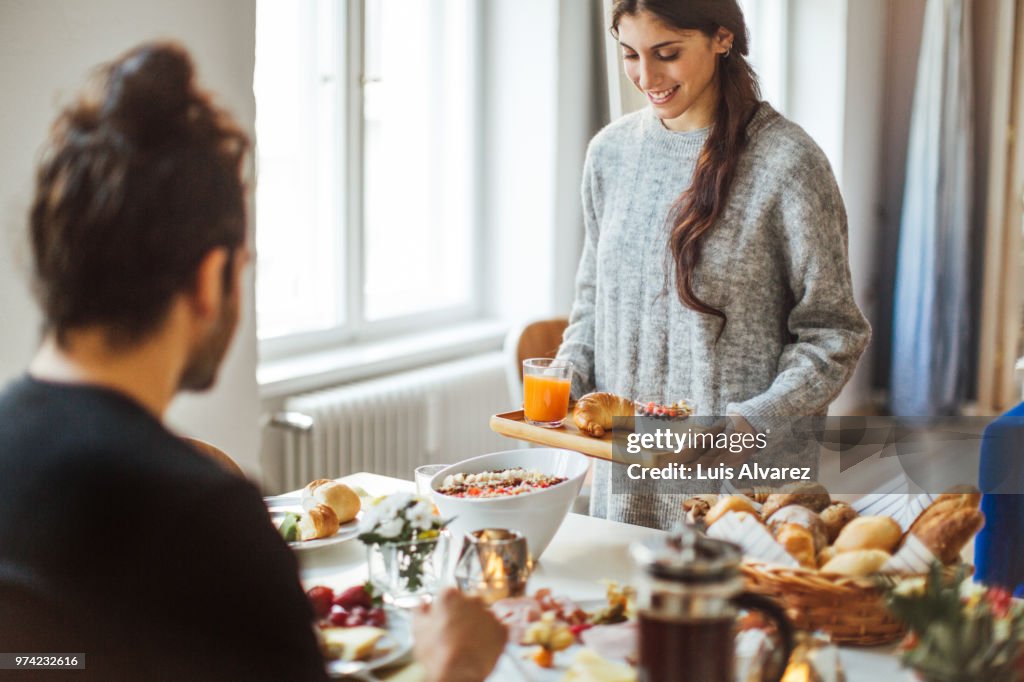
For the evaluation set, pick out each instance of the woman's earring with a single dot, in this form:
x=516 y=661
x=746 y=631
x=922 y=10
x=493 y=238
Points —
x=727 y=53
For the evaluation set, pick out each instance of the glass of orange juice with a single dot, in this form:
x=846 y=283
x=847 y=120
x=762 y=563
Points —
x=546 y=384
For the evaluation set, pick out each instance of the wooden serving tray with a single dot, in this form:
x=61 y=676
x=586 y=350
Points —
x=514 y=425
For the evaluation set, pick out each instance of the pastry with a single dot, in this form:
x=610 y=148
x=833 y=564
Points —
x=697 y=507
x=835 y=517
x=946 y=503
x=946 y=534
x=857 y=564
x=338 y=496
x=799 y=543
x=814 y=496
x=826 y=555
x=869 y=532
x=318 y=522
x=594 y=412
x=801 y=516
x=729 y=503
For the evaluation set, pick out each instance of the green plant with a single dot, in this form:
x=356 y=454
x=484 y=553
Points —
x=959 y=631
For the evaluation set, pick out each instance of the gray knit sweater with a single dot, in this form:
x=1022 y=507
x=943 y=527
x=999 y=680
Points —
x=776 y=263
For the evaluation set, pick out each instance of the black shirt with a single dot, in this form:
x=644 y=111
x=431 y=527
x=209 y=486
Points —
x=120 y=541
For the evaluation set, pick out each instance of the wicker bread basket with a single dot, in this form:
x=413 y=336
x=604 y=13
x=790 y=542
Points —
x=851 y=610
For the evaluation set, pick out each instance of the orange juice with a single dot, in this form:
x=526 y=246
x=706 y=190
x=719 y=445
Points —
x=546 y=398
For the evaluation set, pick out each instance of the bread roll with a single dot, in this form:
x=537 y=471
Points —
x=801 y=516
x=835 y=517
x=869 y=532
x=318 y=522
x=799 y=543
x=594 y=412
x=814 y=496
x=338 y=496
x=946 y=534
x=696 y=508
x=729 y=503
x=856 y=564
x=946 y=503
x=826 y=555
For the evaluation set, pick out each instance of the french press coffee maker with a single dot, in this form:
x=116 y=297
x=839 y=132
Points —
x=689 y=593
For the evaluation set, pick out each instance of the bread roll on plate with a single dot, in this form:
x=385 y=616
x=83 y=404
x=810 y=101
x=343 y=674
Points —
x=869 y=532
x=856 y=564
x=338 y=496
x=318 y=522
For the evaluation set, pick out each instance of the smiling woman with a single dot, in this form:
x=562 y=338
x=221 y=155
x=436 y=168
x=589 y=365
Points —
x=715 y=264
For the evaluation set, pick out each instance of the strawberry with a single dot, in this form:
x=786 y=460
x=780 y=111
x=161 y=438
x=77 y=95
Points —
x=320 y=598
x=353 y=597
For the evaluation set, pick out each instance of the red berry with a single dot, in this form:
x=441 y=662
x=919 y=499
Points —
x=320 y=598
x=577 y=629
x=352 y=597
x=377 y=617
x=338 y=616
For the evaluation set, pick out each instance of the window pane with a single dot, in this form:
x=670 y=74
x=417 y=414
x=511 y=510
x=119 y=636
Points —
x=298 y=133
x=418 y=136
x=766 y=21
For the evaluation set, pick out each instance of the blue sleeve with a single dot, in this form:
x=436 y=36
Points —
x=998 y=550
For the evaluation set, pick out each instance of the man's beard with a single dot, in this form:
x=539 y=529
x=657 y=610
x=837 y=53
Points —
x=201 y=370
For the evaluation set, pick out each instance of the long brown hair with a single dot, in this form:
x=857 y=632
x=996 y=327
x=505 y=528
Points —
x=694 y=213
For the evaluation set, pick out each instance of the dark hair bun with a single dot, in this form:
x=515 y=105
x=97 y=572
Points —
x=149 y=93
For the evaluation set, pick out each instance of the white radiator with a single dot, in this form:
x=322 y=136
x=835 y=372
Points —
x=391 y=425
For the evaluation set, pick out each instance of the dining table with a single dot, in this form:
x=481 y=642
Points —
x=585 y=553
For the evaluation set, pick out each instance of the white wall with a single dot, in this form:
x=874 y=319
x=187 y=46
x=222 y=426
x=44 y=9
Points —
x=47 y=48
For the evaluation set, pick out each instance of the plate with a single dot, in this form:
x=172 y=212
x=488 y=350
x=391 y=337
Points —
x=517 y=656
x=347 y=532
x=397 y=642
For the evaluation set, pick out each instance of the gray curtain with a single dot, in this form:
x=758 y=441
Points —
x=930 y=313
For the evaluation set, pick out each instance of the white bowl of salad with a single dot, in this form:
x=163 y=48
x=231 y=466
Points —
x=526 y=490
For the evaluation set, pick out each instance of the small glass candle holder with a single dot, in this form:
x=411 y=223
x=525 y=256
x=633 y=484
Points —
x=494 y=563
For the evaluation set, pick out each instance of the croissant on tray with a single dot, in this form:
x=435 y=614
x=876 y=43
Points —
x=594 y=412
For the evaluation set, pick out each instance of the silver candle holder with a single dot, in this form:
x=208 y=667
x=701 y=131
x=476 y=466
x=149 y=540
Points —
x=494 y=563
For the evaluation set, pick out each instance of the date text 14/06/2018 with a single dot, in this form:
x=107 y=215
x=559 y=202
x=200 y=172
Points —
x=721 y=472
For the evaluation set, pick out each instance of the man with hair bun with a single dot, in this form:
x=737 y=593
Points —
x=117 y=539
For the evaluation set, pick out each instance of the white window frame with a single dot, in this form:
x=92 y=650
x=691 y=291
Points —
x=355 y=329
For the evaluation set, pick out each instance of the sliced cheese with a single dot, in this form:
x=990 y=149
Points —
x=588 y=666
x=351 y=644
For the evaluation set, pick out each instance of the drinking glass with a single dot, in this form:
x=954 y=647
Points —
x=546 y=383
x=424 y=474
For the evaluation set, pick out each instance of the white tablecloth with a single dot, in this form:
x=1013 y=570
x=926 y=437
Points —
x=584 y=552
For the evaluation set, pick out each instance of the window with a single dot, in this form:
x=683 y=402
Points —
x=366 y=119
x=767 y=22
